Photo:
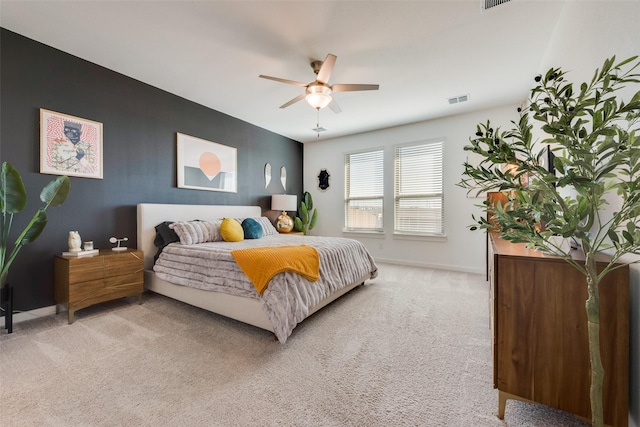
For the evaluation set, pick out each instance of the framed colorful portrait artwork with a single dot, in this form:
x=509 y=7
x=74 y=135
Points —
x=70 y=145
x=206 y=165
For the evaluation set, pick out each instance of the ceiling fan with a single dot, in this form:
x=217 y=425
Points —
x=318 y=92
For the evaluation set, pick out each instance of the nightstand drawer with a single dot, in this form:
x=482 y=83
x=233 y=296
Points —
x=85 y=269
x=130 y=279
x=127 y=263
x=88 y=293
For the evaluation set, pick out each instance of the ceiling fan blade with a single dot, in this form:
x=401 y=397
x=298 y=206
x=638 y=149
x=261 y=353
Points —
x=326 y=69
x=278 y=79
x=335 y=107
x=351 y=88
x=294 y=100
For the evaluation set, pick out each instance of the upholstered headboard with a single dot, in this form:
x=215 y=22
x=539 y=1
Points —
x=152 y=214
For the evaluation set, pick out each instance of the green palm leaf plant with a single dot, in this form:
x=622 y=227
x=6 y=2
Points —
x=307 y=215
x=595 y=137
x=13 y=199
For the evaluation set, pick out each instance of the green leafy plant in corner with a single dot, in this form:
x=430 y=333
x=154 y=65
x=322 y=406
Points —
x=13 y=199
x=307 y=215
x=595 y=137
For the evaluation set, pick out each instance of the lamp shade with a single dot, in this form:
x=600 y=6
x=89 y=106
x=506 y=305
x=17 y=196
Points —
x=318 y=95
x=284 y=202
x=318 y=100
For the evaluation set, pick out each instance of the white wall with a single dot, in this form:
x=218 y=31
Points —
x=587 y=33
x=462 y=249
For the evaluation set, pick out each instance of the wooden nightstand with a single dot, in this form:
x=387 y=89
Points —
x=83 y=281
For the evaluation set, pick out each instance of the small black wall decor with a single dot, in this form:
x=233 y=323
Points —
x=139 y=153
x=323 y=180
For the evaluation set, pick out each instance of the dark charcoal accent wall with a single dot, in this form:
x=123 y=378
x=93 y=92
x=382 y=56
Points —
x=140 y=125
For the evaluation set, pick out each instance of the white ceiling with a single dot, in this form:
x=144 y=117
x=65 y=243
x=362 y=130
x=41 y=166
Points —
x=211 y=52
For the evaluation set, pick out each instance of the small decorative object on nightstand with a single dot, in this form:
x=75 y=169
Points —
x=80 y=282
x=74 y=247
x=78 y=254
x=284 y=203
x=74 y=241
x=118 y=247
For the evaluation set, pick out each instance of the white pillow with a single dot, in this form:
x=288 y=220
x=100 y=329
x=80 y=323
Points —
x=192 y=232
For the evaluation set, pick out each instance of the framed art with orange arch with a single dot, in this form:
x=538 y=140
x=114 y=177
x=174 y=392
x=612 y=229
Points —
x=206 y=165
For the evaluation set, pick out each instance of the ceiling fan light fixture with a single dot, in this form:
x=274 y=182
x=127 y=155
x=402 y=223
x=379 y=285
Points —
x=318 y=93
x=318 y=96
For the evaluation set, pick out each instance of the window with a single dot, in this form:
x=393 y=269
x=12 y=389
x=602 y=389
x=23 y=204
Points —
x=364 y=191
x=419 y=198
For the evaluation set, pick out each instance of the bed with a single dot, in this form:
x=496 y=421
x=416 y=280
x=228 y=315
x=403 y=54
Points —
x=288 y=298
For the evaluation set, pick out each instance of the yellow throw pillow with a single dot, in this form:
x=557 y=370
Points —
x=231 y=230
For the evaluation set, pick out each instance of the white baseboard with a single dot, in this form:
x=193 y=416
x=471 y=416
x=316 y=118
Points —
x=459 y=268
x=31 y=314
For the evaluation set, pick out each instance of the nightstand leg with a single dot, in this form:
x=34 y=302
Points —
x=502 y=403
x=140 y=299
x=71 y=312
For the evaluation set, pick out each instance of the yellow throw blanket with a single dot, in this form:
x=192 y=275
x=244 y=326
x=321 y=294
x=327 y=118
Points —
x=261 y=264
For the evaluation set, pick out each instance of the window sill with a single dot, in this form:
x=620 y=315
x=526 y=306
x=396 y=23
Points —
x=368 y=234
x=423 y=238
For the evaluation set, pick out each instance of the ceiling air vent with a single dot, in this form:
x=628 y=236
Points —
x=458 y=99
x=488 y=4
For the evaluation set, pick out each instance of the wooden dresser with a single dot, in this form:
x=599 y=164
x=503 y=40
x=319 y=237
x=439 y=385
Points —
x=83 y=281
x=539 y=328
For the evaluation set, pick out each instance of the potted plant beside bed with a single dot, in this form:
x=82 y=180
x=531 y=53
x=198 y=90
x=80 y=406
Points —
x=307 y=215
x=13 y=199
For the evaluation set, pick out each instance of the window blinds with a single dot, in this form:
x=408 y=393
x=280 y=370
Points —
x=364 y=190
x=419 y=198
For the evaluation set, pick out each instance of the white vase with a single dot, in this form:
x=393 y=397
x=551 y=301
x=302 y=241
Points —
x=74 y=241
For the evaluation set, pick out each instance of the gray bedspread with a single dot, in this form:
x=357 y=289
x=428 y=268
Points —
x=288 y=297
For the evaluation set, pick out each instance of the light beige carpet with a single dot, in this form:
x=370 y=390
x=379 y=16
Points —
x=411 y=348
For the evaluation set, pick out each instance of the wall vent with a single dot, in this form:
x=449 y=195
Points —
x=488 y=4
x=458 y=99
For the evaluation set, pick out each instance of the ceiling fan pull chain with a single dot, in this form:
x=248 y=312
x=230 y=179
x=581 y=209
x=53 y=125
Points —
x=318 y=129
